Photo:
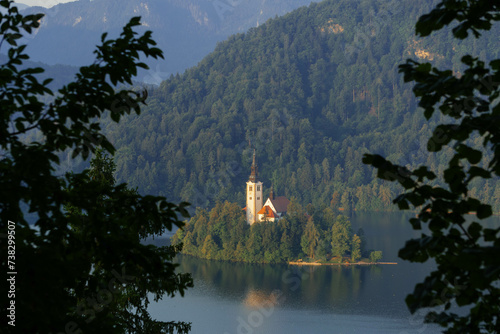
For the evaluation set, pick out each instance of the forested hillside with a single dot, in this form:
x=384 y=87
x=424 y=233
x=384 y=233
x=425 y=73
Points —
x=311 y=92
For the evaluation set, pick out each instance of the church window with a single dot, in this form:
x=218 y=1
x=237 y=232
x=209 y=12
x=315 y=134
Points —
x=250 y=188
x=258 y=198
x=250 y=198
x=258 y=188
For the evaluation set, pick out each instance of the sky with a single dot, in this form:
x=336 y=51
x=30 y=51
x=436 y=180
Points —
x=43 y=3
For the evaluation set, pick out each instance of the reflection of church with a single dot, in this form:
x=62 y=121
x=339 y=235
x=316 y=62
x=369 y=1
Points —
x=272 y=210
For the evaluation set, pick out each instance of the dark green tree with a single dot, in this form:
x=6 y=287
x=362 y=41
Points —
x=466 y=253
x=355 y=248
x=361 y=235
x=83 y=269
x=286 y=246
x=128 y=305
x=102 y=168
x=310 y=239
x=341 y=237
x=375 y=256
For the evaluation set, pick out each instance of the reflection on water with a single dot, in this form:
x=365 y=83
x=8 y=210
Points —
x=251 y=298
x=259 y=299
x=342 y=289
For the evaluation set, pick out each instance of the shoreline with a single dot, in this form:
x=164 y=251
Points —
x=294 y=263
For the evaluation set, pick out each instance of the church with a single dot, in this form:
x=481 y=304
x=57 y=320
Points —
x=257 y=210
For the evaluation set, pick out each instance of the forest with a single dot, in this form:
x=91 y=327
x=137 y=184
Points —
x=311 y=92
x=311 y=234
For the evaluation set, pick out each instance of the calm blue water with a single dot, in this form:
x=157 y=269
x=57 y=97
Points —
x=242 y=298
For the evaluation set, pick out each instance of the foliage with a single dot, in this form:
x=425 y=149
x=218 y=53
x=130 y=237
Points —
x=466 y=253
x=300 y=233
x=355 y=248
x=129 y=303
x=310 y=239
x=102 y=168
x=84 y=268
x=341 y=237
x=309 y=106
x=375 y=256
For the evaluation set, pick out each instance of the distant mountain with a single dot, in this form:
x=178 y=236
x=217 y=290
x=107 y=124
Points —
x=61 y=74
x=311 y=91
x=186 y=30
x=19 y=6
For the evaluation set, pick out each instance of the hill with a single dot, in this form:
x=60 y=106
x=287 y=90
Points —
x=61 y=74
x=186 y=30
x=311 y=92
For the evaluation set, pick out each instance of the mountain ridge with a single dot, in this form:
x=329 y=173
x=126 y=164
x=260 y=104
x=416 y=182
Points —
x=185 y=30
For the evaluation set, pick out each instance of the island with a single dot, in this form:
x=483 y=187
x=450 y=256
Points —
x=275 y=231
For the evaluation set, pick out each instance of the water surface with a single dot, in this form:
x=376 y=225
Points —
x=248 y=298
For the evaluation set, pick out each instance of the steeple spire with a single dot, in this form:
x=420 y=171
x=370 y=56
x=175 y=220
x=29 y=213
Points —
x=271 y=193
x=254 y=174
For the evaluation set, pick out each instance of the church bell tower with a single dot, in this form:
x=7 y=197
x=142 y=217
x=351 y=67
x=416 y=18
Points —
x=254 y=194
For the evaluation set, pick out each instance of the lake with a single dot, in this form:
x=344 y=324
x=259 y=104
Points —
x=247 y=298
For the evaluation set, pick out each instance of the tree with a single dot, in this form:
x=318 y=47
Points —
x=355 y=248
x=346 y=202
x=335 y=202
x=375 y=256
x=188 y=246
x=102 y=168
x=466 y=254
x=341 y=236
x=310 y=239
x=361 y=235
x=286 y=246
x=210 y=249
x=120 y=301
x=83 y=269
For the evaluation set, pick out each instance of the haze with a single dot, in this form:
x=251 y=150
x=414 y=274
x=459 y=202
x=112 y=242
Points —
x=43 y=3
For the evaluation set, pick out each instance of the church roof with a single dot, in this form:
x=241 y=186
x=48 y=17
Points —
x=267 y=212
x=280 y=203
x=254 y=175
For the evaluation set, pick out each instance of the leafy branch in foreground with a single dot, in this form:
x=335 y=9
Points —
x=81 y=267
x=468 y=265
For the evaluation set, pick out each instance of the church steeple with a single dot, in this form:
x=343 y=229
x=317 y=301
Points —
x=254 y=174
x=255 y=190
x=271 y=193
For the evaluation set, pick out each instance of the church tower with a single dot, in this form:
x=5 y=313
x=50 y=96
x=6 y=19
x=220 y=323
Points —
x=254 y=194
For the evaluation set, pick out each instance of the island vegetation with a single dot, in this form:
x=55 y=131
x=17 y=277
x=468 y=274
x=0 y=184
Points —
x=312 y=234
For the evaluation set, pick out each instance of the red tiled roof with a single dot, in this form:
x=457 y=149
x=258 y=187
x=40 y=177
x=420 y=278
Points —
x=280 y=203
x=267 y=212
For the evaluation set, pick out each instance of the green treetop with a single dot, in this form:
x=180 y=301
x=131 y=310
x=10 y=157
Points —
x=341 y=237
